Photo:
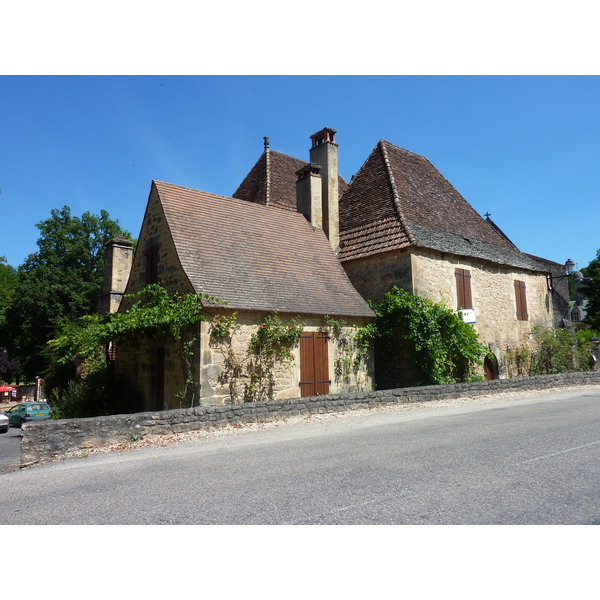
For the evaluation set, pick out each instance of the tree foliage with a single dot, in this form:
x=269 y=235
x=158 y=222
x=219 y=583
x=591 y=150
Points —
x=592 y=291
x=154 y=313
x=58 y=284
x=445 y=348
x=8 y=366
x=8 y=283
x=98 y=389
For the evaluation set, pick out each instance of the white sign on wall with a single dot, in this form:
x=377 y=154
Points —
x=468 y=315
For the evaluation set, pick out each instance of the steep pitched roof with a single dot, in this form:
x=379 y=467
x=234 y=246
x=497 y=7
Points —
x=256 y=258
x=399 y=199
x=272 y=181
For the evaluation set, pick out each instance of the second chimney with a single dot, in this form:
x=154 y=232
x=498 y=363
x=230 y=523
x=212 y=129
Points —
x=309 y=199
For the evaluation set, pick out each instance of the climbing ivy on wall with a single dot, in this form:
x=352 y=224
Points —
x=353 y=345
x=154 y=313
x=270 y=346
x=445 y=349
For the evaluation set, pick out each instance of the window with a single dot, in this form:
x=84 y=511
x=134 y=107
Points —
x=463 y=288
x=521 y=297
x=152 y=264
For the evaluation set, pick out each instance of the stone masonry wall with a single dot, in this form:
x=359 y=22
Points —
x=137 y=359
x=493 y=293
x=220 y=384
x=53 y=438
x=374 y=276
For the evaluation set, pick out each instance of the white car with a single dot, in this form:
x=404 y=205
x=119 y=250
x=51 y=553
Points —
x=3 y=423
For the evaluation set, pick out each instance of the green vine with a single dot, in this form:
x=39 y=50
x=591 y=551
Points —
x=188 y=395
x=154 y=313
x=271 y=344
x=353 y=349
x=444 y=348
x=251 y=375
x=222 y=326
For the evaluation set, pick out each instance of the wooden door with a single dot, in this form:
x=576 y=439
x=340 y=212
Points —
x=490 y=368
x=314 y=364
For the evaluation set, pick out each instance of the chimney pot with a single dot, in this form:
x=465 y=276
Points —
x=325 y=136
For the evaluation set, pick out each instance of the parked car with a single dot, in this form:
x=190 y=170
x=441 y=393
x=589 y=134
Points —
x=4 y=423
x=24 y=412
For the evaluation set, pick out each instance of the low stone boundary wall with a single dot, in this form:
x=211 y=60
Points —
x=53 y=438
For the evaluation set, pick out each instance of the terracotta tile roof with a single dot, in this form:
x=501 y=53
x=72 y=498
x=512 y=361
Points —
x=399 y=199
x=272 y=181
x=255 y=257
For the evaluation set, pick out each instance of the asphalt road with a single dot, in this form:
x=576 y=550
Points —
x=532 y=459
x=10 y=450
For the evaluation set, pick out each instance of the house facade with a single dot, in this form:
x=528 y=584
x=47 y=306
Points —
x=401 y=223
x=253 y=261
x=297 y=241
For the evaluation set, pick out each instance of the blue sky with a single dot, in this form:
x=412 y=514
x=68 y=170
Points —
x=524 y=148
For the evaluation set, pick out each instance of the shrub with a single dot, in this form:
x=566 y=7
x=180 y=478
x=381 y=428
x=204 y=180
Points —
x=445 y=349
x=100 y=392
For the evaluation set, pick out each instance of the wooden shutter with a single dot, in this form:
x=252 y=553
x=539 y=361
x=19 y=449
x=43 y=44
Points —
x=307 y=361
x=463 y=288
x=152 y=264
x=314 y=363
x=521 y=298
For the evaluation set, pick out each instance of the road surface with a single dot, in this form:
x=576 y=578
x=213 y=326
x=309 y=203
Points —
x=516 y=459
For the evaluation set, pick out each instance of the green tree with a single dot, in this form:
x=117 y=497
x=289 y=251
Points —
x=592 y=291
x=58 y=284
x=8 y=283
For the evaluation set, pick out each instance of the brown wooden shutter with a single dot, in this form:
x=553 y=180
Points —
x=521 y=298
x=152 y=264
x=307 y=361
x=321 y=363
x=463 y=288
x=314 y=364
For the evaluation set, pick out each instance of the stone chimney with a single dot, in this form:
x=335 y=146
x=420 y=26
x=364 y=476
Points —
x=309 y=198
x=118 y=257
x=324 y=152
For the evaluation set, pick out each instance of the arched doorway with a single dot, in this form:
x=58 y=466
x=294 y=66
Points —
x=490 y=367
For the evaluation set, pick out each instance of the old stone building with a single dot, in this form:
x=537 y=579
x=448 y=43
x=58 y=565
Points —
x=255 y=260
x=401 y=223
x=299 y=241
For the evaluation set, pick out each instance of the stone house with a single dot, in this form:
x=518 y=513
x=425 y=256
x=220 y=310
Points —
x=255 y=260
x=297 y=240
x=401 y=223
